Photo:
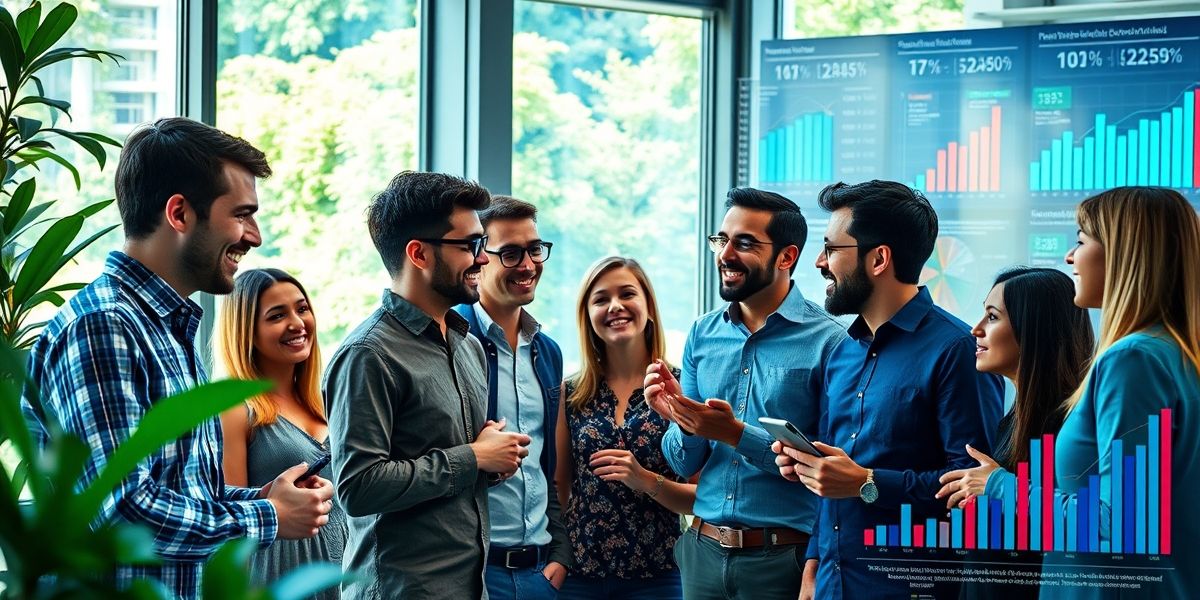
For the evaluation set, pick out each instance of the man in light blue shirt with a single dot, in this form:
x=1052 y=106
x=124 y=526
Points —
x=762 y=355
x=529 y=552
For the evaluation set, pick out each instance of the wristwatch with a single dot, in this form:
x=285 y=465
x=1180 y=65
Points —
x=868 y=492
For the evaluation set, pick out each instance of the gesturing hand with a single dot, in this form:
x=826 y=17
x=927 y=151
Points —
x=962 y=484
x=659 y=387
x=713 y=419
x=620 y=465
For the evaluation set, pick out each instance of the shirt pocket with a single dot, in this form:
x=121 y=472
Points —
x=898 y=416
x=784 y=390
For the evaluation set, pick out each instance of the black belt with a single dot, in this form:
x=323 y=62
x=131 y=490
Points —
x=517 y=557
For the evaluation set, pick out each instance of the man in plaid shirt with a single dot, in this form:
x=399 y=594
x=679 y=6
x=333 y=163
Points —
x=186 y=192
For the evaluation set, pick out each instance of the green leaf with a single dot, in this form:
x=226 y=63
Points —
x=307 y=580
x=225 y=575
x=94 y=208
x=19 y=205
x=40 y=297
x=11 y=54
x=20 y=476
x=32 y=155
x=167 y=420
x=28 y=221
x=60 y=54
x=101 y=138
x=43 y=258
x=93 y=147
x=12 y=528
x=133 y=544
x=10 y=169
x=81 y=245
x=62 y=105
x=12 y=423
x=27 y=128
x=57 y=22
x=27 y=23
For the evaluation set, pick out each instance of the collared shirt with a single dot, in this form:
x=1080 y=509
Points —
x=124 y=342
x=404 y=404
x=905 y=403
x=777 y=372
x=518 y=505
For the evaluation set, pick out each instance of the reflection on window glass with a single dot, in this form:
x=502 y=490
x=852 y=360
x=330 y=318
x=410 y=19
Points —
x=828 y=18
x=330 y=95
x=606 y=142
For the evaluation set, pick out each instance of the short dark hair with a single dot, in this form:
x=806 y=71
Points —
x=507 y=208
x=418 y=205
x=787 y=226
x=177 y=156
x=887 y=213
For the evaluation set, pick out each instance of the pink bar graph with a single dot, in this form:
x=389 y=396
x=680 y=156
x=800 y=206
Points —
x=1047 y=491
x=995 y=162
x=1164 y=536
x=918 y=536
x=973 y=171
x=985 y=155
x=1023 y=506
x=972 y=166
x=952 y=167
x=868 y=537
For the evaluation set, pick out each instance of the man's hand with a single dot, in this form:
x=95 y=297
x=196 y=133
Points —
x=834 y=475
x=962 y=484
x=659 y=387
x=808 y=583
x=785 y=462
x=499 y=451
x=302 y=508
x=712 y=420
x=555 y=573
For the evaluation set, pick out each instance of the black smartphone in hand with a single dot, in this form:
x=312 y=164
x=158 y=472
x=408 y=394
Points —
x=315 y=468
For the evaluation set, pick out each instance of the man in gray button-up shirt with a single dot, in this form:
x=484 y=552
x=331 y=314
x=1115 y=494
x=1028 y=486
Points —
x=406 y=397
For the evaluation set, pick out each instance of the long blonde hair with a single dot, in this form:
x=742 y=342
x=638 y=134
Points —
x=1151 y=241
x=591 y=347
x=235 y=345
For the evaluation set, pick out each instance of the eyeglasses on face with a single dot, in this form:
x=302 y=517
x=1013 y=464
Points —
x=717 y=243
x=829 y=248
x=472 y=245
x=511 y=256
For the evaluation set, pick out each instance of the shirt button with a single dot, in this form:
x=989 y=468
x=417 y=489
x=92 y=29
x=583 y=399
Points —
x=874 y=354
x=854 y=436
x=860 y=394
x=729 y=496
x=835 y=527
x=745 y=371
x=735 y=463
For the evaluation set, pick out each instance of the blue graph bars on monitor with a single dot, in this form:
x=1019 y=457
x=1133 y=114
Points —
x=798 y=152
x=1158 y=150
x=1041 y=518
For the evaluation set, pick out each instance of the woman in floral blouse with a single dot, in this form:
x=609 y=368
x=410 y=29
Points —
x=622 y=500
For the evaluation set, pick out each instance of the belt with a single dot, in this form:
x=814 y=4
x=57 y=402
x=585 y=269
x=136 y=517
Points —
x=733 y=537
x=517 y=557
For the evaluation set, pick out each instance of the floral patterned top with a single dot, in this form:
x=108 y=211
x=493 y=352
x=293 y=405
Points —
x=615 y=531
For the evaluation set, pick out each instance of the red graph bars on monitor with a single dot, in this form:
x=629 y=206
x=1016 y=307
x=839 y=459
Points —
x=973 y=166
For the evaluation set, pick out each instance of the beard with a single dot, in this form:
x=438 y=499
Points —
x=202 y=258
x=851 y=293
x=451 y=287
x=753 y=281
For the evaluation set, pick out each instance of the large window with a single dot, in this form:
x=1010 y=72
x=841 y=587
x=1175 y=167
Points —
x=606 y=142
x=330 y=94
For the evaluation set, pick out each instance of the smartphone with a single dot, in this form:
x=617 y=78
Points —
x=315 y=468
x=789 y=435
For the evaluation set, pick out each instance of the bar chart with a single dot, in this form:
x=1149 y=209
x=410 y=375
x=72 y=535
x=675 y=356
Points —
x=971 y=165
x=1040 y=518
x=1161 y=148
x=800 y=151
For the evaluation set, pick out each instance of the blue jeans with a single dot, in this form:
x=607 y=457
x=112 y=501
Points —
x=518 y=584
x=663 y=587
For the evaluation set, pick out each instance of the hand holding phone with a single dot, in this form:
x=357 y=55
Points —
x=789 y=435
x=314 y=469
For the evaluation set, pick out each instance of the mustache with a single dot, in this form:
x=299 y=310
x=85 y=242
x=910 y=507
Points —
x=827 y=274
x=733 y=267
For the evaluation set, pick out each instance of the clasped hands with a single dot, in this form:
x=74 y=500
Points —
x=498 y=451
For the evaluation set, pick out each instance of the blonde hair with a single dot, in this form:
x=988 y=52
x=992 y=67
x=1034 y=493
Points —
x=1151 y=241
x=591 y=347
x=235 y=345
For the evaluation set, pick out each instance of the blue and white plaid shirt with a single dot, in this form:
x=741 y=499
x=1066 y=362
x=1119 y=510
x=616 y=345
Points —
x=122 y=343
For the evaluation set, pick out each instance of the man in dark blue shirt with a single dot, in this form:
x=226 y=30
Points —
x=902 y=396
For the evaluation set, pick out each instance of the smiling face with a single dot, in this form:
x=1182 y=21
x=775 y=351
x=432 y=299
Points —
x=212 y=251
x=849 y=286
x=1087 y=258
x=617 y=307
x=996 y=349
x=745 y=273
x=284 y=326
x=456 y=273
x=510 y=286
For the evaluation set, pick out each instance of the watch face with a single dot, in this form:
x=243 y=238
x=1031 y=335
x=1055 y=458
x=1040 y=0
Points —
x=868 y=492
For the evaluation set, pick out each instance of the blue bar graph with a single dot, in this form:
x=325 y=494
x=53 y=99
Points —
x=956 y=528
x=906 y=525
x=800 y=151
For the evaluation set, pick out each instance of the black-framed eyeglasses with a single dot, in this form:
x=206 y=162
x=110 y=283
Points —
x=717 y=243
x=472 y=245
x=511 y=256
x=828 y=247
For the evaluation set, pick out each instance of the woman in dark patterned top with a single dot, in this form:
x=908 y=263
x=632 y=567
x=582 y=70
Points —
x=622 y=500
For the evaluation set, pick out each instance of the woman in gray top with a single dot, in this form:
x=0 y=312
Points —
x=266 y=330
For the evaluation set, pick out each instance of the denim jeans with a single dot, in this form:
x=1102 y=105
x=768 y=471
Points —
x=518 y=584
x=711 y=572
x=663 y=587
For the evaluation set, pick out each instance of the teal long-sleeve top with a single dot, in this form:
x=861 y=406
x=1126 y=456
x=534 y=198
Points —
x=1137 y=376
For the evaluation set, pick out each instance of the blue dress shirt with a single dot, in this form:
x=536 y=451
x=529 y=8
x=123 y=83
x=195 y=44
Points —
x=776 y=371
x=905 y=403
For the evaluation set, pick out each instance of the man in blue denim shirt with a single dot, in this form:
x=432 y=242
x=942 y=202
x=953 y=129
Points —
x=903 y=398
x=763 y=355
x=529 y=552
